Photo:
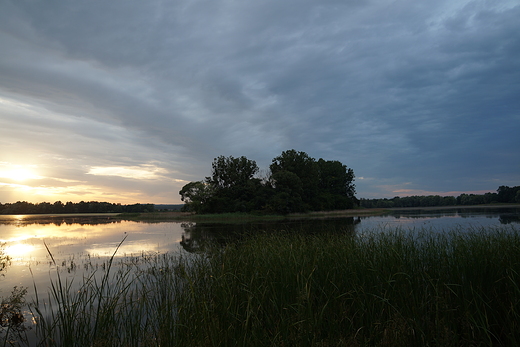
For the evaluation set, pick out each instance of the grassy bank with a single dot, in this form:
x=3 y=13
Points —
x=377 y=289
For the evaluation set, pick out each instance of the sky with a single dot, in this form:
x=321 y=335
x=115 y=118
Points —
x=128 y=101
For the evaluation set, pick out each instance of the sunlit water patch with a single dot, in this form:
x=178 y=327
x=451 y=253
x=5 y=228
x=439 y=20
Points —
x=77 y=247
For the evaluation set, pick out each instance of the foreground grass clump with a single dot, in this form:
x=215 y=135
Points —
x=389 y=288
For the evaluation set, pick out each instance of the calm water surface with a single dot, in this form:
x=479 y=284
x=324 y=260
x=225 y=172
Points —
x=445 y=219
x=78 y=245
x=82 y=244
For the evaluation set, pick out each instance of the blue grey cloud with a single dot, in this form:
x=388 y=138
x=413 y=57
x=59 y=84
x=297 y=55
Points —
x=416 y=96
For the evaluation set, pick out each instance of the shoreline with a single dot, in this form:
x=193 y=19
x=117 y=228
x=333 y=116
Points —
x=190 y=216
x=359 y=212
x=430 y=208
x=25 y=216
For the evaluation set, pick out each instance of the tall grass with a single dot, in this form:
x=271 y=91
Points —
x=391 y=288
x=12 y=320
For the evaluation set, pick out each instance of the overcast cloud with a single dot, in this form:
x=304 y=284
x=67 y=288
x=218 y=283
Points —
x=127 y=101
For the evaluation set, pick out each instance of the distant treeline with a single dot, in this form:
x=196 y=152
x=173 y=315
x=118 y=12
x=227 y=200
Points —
x=24 y=207
x=504 y=194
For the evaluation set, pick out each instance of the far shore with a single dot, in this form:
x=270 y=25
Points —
x=356 y=212
x=190 y=216
x=10 y=217
x=453 y=207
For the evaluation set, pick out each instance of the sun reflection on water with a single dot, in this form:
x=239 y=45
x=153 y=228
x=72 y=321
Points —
x=18 y=250
x=30 y=240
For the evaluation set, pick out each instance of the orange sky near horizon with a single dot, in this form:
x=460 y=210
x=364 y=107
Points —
x=27 y=183
x=23 y=183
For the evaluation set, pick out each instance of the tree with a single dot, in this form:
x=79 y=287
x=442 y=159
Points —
x=229 y=172
x=295 y=183
x=195 y=195
x=58 y=207
x=288 y=193
x=304 y=167
x=231 y=187
x=507 y=194
x=232 y=183
x=336 y=183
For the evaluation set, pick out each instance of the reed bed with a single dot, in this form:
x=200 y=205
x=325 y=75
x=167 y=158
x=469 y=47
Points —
x=382 y=288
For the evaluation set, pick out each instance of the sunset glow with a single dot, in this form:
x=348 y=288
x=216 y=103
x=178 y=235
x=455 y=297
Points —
x=18 y=173
x=144 y=172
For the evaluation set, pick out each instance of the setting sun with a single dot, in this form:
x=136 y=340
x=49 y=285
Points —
x=18 y=173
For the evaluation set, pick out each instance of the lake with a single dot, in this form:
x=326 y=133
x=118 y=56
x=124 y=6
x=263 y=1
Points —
x=80 y=244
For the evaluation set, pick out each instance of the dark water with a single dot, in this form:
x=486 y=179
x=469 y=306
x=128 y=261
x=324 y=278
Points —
x=84 y=243
x=197 y=235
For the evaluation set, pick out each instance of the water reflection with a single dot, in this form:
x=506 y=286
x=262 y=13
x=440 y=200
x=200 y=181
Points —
x=505 y=215
x=77 y=244
x=77 y=235
x=82 y=219
x=18 y=251
x=73 y=238
x=509 y=218
x=97 y=237
x=198 y=236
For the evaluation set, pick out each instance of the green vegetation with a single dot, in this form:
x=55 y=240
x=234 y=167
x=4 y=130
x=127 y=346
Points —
x=4 y=259
x=12 y=321
x=235 y=217
x=389 y=288
x=24 y=207
x=12 y=327
x=504 y=195
x=240 y=217
x=295 y=183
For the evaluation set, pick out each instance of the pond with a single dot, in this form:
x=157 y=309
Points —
x=80 y=243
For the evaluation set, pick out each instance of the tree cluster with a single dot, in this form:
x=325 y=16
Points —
x=504 y=194
x=24 y=207
x=295 y=183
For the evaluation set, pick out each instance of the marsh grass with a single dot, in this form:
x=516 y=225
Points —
x=383 y=288
x=12 y=320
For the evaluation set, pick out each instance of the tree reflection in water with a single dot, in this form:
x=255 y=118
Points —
x=509 y=218
x=198 y=237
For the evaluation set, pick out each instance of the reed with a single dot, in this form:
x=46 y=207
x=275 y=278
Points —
x=382 y=288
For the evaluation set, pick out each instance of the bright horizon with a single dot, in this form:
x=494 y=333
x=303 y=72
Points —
x=128 y=102
x=27 y=188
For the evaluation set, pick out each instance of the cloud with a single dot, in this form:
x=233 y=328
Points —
x=137 y=173
x=400 y=91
